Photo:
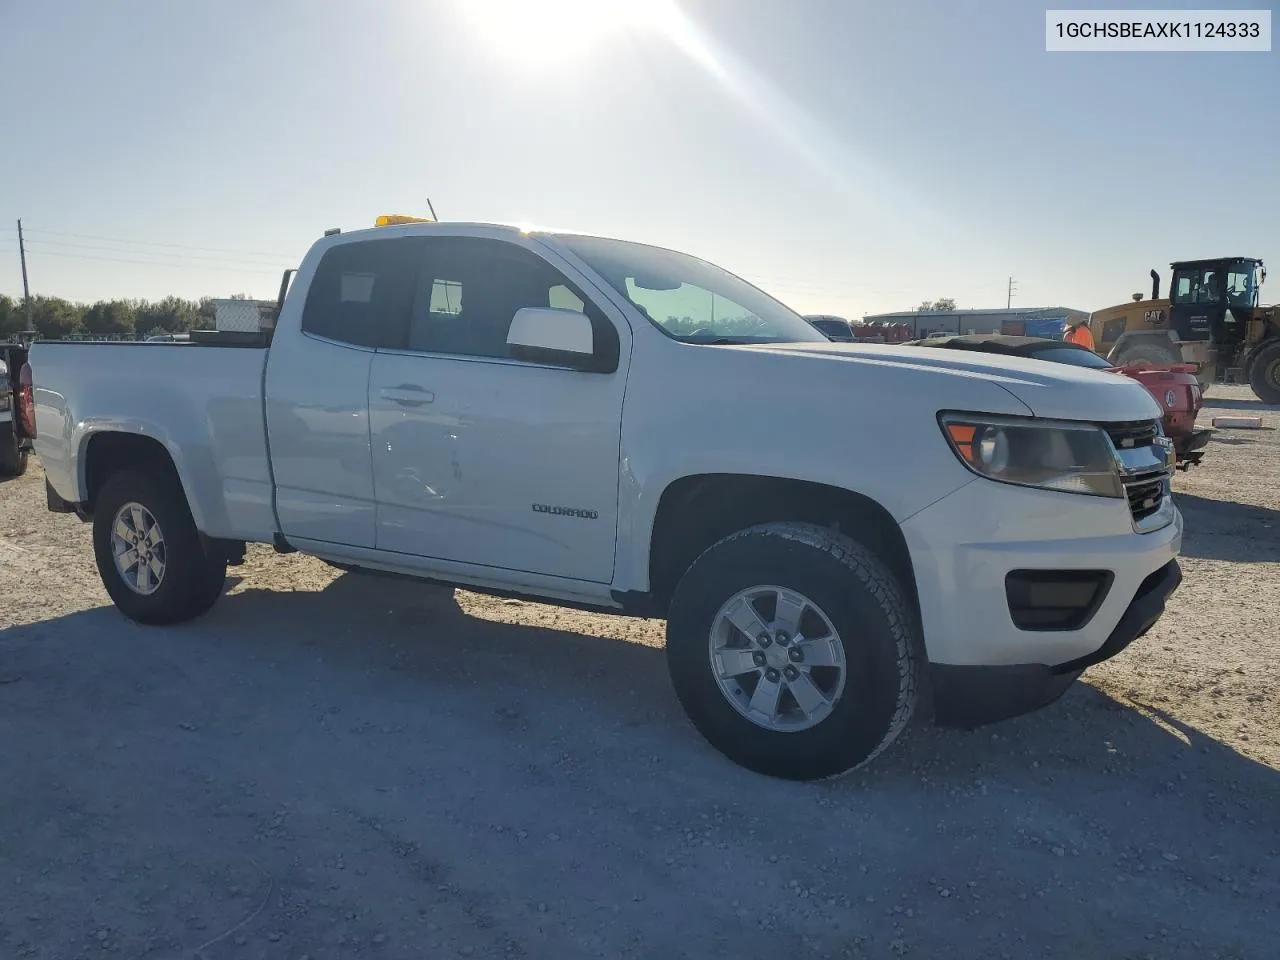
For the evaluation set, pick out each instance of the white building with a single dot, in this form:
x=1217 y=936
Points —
x=1033 y=321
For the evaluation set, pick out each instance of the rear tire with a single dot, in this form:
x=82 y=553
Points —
x=143 y=519
x=851 y=606
x=13 y=459
x=1264 y=373
x=1148 y=352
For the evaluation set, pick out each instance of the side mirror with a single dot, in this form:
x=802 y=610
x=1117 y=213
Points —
x=552 y=335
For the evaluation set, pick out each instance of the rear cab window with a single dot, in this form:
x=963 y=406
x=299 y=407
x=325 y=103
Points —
x=359 y=290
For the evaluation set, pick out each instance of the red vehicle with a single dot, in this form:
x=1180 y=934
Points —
x=1174 y=385
x=1177 y=389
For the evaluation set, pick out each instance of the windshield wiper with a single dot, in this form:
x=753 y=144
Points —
x=723 y=341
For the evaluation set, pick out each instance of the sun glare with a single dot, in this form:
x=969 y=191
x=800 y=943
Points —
x=545 y=32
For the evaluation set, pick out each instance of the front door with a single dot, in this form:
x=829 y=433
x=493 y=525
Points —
x=482 y=459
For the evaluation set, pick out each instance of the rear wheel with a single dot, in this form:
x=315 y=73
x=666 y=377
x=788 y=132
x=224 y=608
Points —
x=793 y=650
x=148 y=551
x=13 y=459
x=1264 y=373
x=1148 y=351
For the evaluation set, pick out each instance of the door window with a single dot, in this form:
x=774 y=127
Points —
x=1241 y=291
x=468 y=290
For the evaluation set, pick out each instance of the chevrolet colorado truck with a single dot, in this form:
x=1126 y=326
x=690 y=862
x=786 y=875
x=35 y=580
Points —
x=839 y=536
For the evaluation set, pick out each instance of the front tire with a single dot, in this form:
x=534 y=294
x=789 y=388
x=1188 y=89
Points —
x=148 y=551
x=794 y=651
x=1264 y=373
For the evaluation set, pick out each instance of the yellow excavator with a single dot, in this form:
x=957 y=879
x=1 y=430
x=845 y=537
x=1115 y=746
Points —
x=1211 y=318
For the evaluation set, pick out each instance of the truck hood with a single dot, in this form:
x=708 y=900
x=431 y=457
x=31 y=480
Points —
x=1053 y=390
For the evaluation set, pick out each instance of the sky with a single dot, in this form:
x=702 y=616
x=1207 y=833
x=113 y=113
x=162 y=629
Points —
x=848 y=156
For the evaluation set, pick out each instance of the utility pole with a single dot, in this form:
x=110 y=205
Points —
x=1009 y=298
x=26 y=290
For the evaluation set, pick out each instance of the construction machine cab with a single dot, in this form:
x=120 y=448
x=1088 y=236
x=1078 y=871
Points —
x=1213 y=299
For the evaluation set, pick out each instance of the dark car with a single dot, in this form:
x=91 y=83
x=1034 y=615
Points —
x=833 y=328
x=1038 y=348
x=14 y=446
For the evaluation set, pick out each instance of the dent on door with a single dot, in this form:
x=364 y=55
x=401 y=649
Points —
x=509 y=466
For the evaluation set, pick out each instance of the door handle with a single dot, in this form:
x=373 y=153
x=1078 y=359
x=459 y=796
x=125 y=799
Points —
x=407 y=395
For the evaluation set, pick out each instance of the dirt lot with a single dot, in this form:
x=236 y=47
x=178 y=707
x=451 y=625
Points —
x=342 y=766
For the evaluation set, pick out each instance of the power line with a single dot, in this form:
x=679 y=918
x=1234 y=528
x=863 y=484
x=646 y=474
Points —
x=157 y=263
x=160 y=243
x=39 y=245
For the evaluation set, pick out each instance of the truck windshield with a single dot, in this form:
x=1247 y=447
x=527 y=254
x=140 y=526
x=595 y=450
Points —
x=690 y=299
x=1241 y=289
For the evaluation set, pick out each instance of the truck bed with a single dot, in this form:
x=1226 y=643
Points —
x=203 y=401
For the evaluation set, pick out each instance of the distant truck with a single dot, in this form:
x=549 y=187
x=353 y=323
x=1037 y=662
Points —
x=837 y=534
x=1211 y=318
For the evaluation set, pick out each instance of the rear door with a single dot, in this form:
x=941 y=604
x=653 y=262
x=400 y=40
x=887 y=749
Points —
x=318 y=391
x=483 y=459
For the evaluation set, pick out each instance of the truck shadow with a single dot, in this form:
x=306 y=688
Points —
x=1226 y=530
x=388 y=700
x=433 y=653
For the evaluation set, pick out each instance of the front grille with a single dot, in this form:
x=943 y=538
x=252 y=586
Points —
x=1145 y=489
x=1145 y=492
x=1133 y=434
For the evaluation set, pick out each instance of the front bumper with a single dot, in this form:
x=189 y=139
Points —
x=983 y=665
x=964 y=546
x=969 y=696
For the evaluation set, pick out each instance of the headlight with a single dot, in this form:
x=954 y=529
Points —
x=1070 y=457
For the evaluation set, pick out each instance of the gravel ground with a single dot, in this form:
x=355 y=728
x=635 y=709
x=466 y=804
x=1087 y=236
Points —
x=344 y=766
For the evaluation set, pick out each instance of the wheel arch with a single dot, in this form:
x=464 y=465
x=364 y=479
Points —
x=106 y=452
x=695 y=512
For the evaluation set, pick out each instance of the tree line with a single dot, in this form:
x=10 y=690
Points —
x=57 y=319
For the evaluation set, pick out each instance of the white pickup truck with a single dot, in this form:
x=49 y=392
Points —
x=836 y=534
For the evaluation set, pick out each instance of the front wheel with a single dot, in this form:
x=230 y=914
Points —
x=793 y=650
x=1264 y=373
x=148 y=551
